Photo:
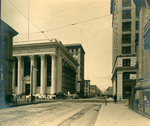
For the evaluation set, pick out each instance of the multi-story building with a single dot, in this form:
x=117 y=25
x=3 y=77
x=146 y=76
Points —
x=6 y=48
x=94 y=91
x=143 y=64
x=125 y=23
x=87 y=88
x=77 y=51
x=43 y=67
x=109 y=91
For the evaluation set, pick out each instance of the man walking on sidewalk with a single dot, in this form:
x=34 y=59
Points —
x=115 y=98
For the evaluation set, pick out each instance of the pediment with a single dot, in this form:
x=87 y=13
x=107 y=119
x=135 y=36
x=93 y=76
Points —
x=26 y=78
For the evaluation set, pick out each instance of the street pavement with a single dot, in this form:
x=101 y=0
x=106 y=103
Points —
x=71 y=112
x=59 y=113
x=119 y=115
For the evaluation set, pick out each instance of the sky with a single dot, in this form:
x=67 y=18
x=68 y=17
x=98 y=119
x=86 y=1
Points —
x=92 y=28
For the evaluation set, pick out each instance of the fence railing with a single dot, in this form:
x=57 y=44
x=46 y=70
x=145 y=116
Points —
x=142 y=107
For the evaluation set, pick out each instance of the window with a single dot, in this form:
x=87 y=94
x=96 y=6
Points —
x=126 y=14
x=38 y=72
x=126 y=50
x=137 y=37
x=126 y=26
x=126 y=62
x=126 y=75
x=126 y=38
x=137 y=13
x=137 y=25
x=26 y=66
x=126 y=3
x=76 y=50
x=49 y=64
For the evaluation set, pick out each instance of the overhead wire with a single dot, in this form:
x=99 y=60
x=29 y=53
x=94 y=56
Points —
x=63 y=10
x=43 y=32
x=28 y=19
x=71 y=24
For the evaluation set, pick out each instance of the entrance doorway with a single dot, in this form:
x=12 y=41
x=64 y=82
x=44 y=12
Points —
x=27 y=89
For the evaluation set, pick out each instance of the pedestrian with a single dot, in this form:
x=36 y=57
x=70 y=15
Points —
x=115 y=98
x=106 y=100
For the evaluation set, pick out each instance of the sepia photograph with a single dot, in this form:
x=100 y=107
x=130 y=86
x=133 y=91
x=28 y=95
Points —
x=74 y=62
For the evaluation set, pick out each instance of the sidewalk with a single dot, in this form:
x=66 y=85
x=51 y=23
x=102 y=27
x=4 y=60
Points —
x=119 y=115
x=22 y=101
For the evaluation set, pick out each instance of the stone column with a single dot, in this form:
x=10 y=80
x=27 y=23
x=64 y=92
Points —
x=22 y=76
x=45 y=72
x=53 y=85
x=19 y=75
x=35 y=76
x=33 y=71
x=13 y=76
x=119 y=86
x=59 y=74
x=42 y=75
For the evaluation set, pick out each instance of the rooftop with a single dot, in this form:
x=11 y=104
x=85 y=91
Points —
x=74 y=45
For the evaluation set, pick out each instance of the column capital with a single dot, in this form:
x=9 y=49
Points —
x=19 y=57
x=53 y=55
x=42 y=56
x=31 y=57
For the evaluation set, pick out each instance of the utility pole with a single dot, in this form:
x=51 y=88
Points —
x=81 y=36
x=32 y=83
x=32 y=69
x=28 y=19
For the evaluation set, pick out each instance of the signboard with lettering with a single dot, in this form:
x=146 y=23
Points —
x=132 y=76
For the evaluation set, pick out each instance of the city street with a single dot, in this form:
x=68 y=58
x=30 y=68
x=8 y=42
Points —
x=59 y=113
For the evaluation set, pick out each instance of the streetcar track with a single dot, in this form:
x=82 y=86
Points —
x=32 y=113
x=77 y=115
x=20 y=116
x=59 y=114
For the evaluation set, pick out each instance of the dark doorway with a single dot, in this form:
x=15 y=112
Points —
x=27 y=89
x=127 y=92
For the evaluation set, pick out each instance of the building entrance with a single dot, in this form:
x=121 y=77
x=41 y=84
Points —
x=27 y=89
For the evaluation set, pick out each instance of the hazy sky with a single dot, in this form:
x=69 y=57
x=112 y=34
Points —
x=95 y=35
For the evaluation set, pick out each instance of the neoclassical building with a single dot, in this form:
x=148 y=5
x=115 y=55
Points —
x=43 y=68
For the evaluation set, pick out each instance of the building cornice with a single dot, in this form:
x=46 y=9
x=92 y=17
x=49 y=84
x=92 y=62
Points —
x=6 y=29
x=43 y=45
x=122 y=55
x=75 y=45
x=130 y=68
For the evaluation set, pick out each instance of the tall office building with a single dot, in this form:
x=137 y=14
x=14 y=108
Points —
x=87 y=88
x=77 y=51
x=125 y=23
x=143 y=73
